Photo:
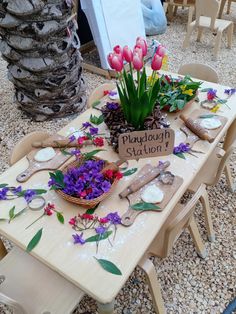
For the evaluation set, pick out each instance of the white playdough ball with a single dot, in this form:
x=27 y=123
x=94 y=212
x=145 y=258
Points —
x=152 y=194
x=45 y=154
x=211 y=123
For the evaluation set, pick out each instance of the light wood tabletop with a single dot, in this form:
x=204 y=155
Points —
x=76 y=262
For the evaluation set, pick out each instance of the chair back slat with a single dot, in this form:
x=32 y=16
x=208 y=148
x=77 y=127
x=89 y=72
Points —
x=207 y=8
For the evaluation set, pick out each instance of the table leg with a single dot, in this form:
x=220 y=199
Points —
x=107 y=308
x=222 y=5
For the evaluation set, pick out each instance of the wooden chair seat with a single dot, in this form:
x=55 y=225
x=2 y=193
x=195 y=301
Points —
x=205 y=22
x=38 y=289
x=199 y=71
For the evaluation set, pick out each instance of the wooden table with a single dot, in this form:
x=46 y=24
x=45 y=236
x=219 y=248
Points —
x=76 y=263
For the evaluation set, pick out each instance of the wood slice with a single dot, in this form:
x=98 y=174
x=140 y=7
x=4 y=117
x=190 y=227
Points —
x=35 y=166
x=169 y=190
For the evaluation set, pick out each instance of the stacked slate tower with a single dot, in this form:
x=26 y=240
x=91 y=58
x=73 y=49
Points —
x=40 y=44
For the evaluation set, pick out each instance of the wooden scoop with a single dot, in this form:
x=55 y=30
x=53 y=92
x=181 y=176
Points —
x=197 y=129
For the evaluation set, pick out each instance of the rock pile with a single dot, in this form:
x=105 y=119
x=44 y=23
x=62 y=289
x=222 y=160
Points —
x=40 y=44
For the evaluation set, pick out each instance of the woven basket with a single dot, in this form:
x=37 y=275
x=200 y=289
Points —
x=88 y=203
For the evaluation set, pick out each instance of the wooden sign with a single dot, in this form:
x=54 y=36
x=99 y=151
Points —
x=144 y=144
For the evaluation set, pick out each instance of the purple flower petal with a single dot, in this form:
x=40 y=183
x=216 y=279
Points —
x=78 y=238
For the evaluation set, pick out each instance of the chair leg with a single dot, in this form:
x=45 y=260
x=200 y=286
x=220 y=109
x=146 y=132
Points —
x=106 y=308
x=190 y=16
x=200 y=247
x=230 y=32
x=3 y=251
x=151 y=276
x=175 y=10
x=207 y=213
x=228 y=6
x=170 y=12
x=229 y=178
x=187 y=37
x=217 y=44
x=222 y=4
x=199 y=34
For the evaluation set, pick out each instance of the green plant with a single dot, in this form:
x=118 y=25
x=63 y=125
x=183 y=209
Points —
x=176 y=93
x=138 y=98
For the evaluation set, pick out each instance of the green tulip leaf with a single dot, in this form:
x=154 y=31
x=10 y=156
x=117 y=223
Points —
x=34 y=241
x=145 y=206
x=109 y=266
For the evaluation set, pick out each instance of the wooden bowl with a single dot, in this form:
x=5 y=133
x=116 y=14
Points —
x=88 y=203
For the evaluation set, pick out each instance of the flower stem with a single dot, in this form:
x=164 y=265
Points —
x=35 y=221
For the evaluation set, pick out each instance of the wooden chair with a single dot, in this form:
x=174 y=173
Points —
x=23 y=147
x=181 y=217
x=229 y=5
x=206 y=17
x=171 y=7
x=31 y=287
x=98 y=93
x=199 y=71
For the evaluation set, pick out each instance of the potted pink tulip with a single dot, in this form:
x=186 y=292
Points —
x=138 y=93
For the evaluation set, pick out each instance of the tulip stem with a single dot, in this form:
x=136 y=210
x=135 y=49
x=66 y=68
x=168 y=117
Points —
x=131 y=70
x=138 y=76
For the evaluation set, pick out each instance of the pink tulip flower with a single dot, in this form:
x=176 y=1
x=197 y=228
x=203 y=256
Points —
x=109 y=59
x=138 y=50
x=143 y=44
x=118 y=49
x=161 y=51
x=156 y=62
x=117 y=63
x=137 y=62
x=127 y=54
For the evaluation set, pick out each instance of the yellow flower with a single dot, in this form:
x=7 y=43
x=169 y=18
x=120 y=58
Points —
x=215 y=109
x=154 y=78
x=183 y=87
x=188 y=92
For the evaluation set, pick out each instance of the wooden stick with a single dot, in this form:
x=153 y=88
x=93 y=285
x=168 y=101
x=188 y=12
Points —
x=59 y=143
x=141 y=181
x=197 y=129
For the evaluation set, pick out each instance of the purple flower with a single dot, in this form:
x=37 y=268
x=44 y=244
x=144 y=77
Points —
x=181 y=148
x=78 y=238
x=211 y=94
x=28 y=195
x=105 y=186
x=100 y=230
x=93 y=131
x=72 y=138
x=112 y=105
x=86 y=125
x=17 y=190
x=112 y=93
x=75 y=152
x=114 y=218
x=3 y=194
x=230 y=91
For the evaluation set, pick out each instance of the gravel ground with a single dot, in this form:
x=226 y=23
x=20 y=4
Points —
x=189 y=284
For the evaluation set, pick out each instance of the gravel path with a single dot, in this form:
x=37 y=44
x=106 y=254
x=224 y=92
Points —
x=189 y=284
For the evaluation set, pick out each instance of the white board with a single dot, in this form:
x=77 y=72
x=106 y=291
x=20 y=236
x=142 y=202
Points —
x=113 y=23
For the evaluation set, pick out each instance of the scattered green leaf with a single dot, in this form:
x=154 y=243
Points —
x=34 y=241
x=96 y=103
x=129 y=172
x=207 y=116
x=58 y=177
x=96 y=120
x=60 y=218
x=91 y=211
x=180 y=155
x=99 y=237
x=37 y=191
x=3 y=219
x=11 y=213
x=221 y=101
x=109 y=266
x=92 y=153
x=204 y=90
x=145 y=206
x=3 y=185
x=64 y=152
